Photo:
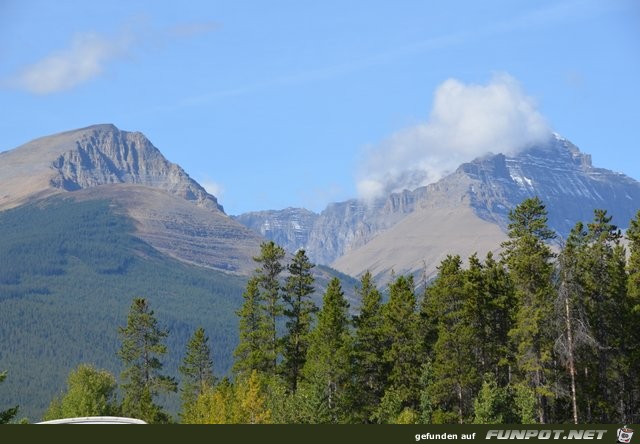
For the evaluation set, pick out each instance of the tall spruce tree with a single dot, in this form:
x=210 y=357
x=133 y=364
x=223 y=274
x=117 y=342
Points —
x=455 y=374
x=140 y=352
x=606 y=304
x=196 y=369
x=404 y=354
x=327 y=370
x=370 y=370
x=502 y=302
x=632 y=343
x=299 y=311
x=477 y=306
x=529 y=260
x=250 y=354
x=268 y=278
x=633 y=265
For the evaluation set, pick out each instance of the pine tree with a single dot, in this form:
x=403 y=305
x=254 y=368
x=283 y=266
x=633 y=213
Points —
x=477 y=307
x=140 y=352
x=529 y=260
x=404 y=354
x=299 y=313
x=455 y=373
x=327 y=370
x=267 y=275
x=7 y=415
x=606 y=304
x=196 y=369
x=501 y=306
x=90 y=392
x=254 y=333
x=632 y=321
x=370 y=371
x=633 y=266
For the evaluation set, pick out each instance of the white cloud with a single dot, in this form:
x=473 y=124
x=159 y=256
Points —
x=89 y=55
x=65 y=69
x=212 y=187
x=466 y=121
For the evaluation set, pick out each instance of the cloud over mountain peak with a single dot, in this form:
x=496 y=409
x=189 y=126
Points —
x=466 y=121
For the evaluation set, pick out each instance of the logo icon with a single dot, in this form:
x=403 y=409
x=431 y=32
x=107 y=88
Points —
x=624 y=435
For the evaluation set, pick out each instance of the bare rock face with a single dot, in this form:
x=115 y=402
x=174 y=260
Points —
x=561 y=176
x=289 y=228
x=338 y=229
x=89 y=157
x=105 y=155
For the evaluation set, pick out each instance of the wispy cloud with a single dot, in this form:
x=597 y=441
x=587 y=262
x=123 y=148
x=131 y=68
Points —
x=213 y=188
x=65 y=69
x=89 y=55
x=466 y=121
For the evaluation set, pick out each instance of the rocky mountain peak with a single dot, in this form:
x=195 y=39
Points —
x=103 y=154
x=559 y=174
x=351 y=235
x=93 y=156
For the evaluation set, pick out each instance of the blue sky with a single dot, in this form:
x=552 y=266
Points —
x=271 y=104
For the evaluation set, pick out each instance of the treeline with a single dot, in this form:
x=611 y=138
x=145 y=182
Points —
x=534 y=336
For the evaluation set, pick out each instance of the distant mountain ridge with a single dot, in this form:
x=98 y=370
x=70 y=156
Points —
x=356 y=235
x=559 y=174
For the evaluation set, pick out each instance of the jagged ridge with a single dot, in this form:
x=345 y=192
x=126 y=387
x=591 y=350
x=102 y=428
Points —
x=557 y=172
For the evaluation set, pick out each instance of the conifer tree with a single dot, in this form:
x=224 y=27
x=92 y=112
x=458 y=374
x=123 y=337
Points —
x=529 y=260
x=632 y=332
x=268 y=279
x=140 y=352
x=455 y=373
x=370 y=371
x=327 y=370
x=404 y=354
x=299 y=312
x=196 y=369
x=606 y=304
x=499 y=319
x=254 y=333
x=633 y=266
x=477 y=306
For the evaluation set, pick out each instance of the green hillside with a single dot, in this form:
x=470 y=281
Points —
x=68 y=273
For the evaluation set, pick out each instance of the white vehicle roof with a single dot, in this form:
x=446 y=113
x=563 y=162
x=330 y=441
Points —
x=95 y=420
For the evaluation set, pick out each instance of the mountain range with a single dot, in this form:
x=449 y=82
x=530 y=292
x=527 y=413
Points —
x=94 y=217
x=466 y=211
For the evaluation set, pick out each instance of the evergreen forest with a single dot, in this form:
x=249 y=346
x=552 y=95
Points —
x=536 y=334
